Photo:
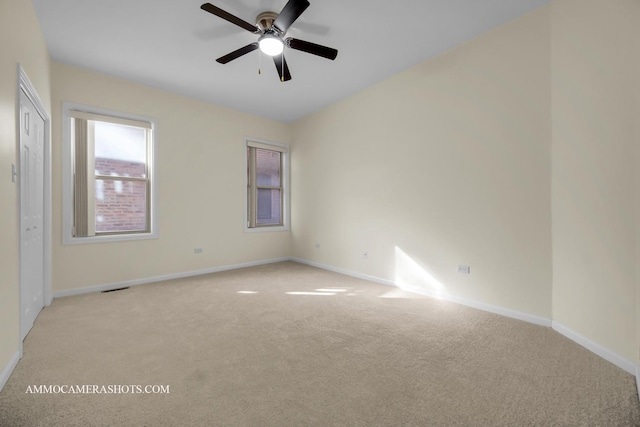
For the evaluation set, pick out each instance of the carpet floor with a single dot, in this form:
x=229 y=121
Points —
x=291 y=345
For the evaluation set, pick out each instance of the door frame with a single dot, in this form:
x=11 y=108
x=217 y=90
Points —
x=25 y=85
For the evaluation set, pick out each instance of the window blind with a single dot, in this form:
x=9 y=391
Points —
x=80 y=201
x=109 y=119
x=269 y=147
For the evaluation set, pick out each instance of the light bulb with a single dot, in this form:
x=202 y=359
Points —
x=271 y=45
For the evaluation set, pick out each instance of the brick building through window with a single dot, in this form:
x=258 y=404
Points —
x=120 y=205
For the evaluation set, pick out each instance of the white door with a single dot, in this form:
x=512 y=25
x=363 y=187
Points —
x=31 y=213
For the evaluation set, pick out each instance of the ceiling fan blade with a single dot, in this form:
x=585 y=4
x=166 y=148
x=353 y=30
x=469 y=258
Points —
x=290 y=12
x=280 y=64
x=238 y=53
x=315 y=49
x=229 y=17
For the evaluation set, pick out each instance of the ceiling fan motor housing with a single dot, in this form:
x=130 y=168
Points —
x=264 y=21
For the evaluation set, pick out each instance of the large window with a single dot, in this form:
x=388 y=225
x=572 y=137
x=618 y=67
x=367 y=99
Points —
x=266 y=186
x=108 y=165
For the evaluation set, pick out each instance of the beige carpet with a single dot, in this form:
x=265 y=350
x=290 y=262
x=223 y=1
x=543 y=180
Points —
x=270 y=358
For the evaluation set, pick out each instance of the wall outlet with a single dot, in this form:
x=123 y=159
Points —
x=197 y=250
x=365 y=254
x=464 y=269
x=317 y=245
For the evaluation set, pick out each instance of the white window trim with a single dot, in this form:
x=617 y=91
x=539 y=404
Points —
x=67 y=178
x=286 y=210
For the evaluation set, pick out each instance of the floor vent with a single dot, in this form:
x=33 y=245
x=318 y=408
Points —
x=114 y=290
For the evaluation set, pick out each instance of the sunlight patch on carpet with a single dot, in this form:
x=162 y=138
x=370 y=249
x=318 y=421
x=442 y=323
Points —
x=311 y=293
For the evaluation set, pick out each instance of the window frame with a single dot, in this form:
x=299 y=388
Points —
x=285 y=173
x=68 y=167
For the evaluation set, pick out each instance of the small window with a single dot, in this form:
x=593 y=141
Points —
x=266 y=186
x=109 y=165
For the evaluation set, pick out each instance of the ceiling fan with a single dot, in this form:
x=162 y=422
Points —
x=272 y=28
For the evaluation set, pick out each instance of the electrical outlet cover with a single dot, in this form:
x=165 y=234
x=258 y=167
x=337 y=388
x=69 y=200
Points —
x=464 y=269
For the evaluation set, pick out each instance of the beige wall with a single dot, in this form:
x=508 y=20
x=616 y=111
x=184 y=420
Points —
x=20 y=42
x=453 y=161
x=517 y=153
x=444 y=164
x=593 y=202
x=200 y=166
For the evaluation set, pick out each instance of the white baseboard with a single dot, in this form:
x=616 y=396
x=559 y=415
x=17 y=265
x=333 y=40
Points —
x=542 y=321
x=116 y=285
x=345 y=272
x=518 y=315
x=8 y=369
x=596 y=348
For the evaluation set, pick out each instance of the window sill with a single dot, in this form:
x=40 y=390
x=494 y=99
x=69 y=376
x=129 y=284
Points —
x=108 y=239
x=265 y=229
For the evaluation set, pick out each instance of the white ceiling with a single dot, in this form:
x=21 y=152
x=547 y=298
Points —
x=173 y=44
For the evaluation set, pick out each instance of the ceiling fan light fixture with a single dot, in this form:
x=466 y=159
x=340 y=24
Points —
x=271 y=45
x=271 y=29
